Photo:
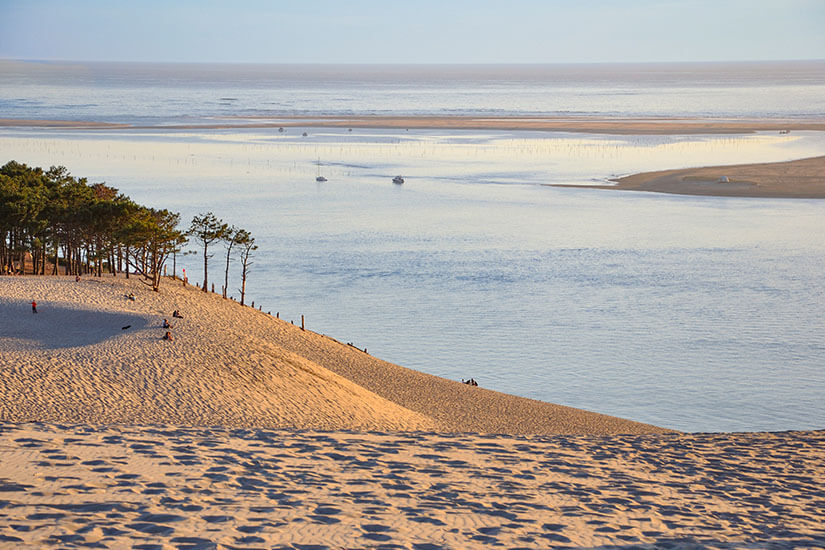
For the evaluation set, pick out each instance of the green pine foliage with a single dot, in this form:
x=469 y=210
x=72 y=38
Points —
x=54 y=223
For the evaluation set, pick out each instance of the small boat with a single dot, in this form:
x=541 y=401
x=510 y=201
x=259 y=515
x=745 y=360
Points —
x=319 y=177
x=398 y=179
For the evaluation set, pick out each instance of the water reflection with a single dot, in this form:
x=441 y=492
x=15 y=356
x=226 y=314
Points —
x=696 y=313
x=503 y=157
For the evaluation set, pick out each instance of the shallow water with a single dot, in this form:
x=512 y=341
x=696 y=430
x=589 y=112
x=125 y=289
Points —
x=695 y=313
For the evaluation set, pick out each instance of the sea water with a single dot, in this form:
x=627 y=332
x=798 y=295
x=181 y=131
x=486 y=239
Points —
x=145 y=93
x=695 y=313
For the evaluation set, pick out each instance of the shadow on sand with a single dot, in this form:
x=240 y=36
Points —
x=57 y=326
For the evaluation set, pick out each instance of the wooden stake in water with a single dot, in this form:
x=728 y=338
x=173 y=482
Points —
x=302 y=322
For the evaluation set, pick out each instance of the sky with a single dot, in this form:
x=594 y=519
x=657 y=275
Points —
x=412 y=31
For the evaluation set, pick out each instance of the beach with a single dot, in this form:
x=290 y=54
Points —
x=247 y=431
x=525 y=276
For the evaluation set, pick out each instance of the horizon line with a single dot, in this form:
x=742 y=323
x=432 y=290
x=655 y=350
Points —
x=416 y=64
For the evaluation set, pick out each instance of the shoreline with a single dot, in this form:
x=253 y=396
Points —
x=800 y=179
x=246 y=430
x=575 y=124
x=230 y=365
x=795 y=179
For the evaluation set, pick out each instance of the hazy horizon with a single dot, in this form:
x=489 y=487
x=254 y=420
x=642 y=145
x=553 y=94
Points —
x=413 y=64
x=426 y=32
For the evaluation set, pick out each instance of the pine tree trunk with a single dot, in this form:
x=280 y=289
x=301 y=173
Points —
x=226 y=275
x=205 y=261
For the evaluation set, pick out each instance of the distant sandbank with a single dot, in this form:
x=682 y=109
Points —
x=581 y=124
x=798 y=179
x=66 y=124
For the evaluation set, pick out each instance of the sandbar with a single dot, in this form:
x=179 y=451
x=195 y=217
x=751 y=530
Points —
x=796 y=179
x=580 y=124
x=63 y=124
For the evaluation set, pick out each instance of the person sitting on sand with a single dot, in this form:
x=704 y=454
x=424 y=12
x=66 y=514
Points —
x=176 y=314
x=166 y=324
x=131 y=296
x=168 y=336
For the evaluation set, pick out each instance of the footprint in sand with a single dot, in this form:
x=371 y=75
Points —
x=376 y=532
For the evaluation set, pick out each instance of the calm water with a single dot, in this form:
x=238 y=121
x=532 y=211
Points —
x=701 y=314
x=692 y=313
x=193 y=93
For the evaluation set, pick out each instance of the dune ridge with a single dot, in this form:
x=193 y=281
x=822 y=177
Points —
x=229 y=365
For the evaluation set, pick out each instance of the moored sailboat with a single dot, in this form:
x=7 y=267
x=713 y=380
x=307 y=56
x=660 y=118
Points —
x=319 y=177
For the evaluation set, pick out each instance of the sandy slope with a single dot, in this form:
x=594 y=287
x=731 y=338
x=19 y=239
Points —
x=73 y=362
x=228 y=366
x=196 y=466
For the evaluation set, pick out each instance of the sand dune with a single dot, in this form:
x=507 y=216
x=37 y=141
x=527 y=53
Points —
x=172 y=487
x=111 y=437
x=228 y=366
x=73 y=362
